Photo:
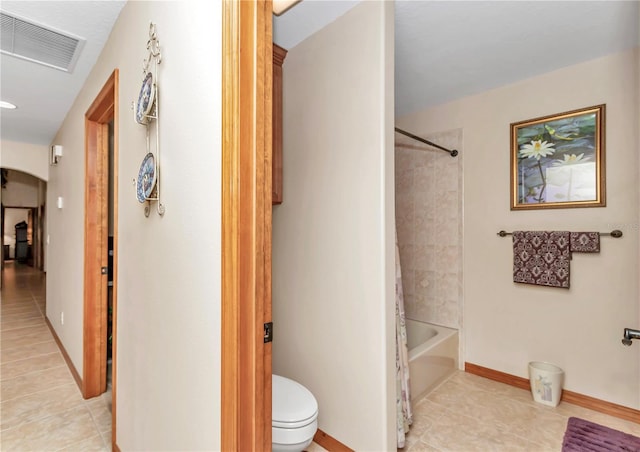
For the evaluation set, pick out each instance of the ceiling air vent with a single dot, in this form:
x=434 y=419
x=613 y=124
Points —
x=33 y=42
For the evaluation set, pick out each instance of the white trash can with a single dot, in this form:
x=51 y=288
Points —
x=546 y=382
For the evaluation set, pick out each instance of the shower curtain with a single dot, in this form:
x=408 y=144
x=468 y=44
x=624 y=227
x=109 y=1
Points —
x=403 y=395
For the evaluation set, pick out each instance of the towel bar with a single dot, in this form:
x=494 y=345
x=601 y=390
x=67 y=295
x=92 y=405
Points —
x=616 y=233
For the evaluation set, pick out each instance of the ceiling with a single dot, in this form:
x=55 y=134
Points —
x=450 y=49
x=444 y=49
x=44 y=95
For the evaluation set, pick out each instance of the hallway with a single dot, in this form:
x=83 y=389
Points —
x=41 y=407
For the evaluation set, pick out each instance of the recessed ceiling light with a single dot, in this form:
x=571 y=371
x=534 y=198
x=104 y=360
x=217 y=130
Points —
x=281 y=6
x=9 y=105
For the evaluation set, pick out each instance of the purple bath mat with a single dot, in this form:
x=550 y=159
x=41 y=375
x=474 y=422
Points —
x=582 y=436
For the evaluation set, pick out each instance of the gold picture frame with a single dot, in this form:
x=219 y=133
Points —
x=558 y=161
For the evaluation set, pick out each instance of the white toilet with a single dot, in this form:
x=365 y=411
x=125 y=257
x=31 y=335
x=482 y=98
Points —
x=294 y=413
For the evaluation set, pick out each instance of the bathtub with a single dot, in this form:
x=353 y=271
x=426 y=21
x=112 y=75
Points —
x=433 y=356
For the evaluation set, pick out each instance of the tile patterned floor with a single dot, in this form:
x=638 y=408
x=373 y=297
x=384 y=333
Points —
x=471 y=413
x=41 y=408
x=314 y=447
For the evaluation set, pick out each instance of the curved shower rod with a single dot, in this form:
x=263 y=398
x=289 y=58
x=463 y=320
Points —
x=452 y=153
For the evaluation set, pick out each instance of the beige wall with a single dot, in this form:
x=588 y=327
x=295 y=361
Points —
x=22 y=190
x=429 y=222
x=506 y=324
x=29 y=158
x=168 y=267
x=333 y=247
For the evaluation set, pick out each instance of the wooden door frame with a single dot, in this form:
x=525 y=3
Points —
x=246 y=224
x=2 y=256
x=103 y=110
x=41 y=219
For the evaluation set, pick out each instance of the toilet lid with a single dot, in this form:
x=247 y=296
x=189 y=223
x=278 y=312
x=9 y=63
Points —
x=292 y=404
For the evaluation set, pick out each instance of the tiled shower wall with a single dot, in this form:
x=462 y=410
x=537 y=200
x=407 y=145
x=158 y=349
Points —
x=429 y=225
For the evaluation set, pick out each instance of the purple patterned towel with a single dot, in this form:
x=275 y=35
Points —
x=585 y=242
x=582 y=436
x=541 y=258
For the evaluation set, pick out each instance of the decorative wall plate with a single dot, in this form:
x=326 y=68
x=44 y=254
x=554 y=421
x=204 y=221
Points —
x=145 y=99
x=146 y=178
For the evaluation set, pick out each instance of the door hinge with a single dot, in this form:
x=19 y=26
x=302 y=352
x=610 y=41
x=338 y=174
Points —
x=104 y=270
x=268 y=332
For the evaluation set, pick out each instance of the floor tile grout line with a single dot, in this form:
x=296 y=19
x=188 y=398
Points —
x=9 y=318
x=4 y=330
x=5 y=318
x=38 y=418
x=95 y=422
x=25 y=327
x=39 y=391
x=93 y=419
x=10 y=300
x=12 y=316
x=31 y=373
x=30 y=357
x=22 y=312
x=43 y=314
x=25 y=345
x=106 y=440
x=85 y=403
x=4 y=380
x=43 y=418
x=17 y=305
x=17 y=301
x=78 y=442
x=22 y=304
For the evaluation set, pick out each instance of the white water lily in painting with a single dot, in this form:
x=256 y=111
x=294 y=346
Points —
x=570 y=160
x=537 y=149
x=571 y=182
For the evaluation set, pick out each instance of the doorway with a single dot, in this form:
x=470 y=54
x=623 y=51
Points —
x=17 y=240
x=22 y=218
x=101 y=244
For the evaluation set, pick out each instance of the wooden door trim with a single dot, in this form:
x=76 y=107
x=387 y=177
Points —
x=279 y=55
x=2 y=243
x=246 y=225
x=103 y=110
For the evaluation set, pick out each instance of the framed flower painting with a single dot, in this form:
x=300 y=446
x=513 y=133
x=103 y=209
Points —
x=557 y=161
